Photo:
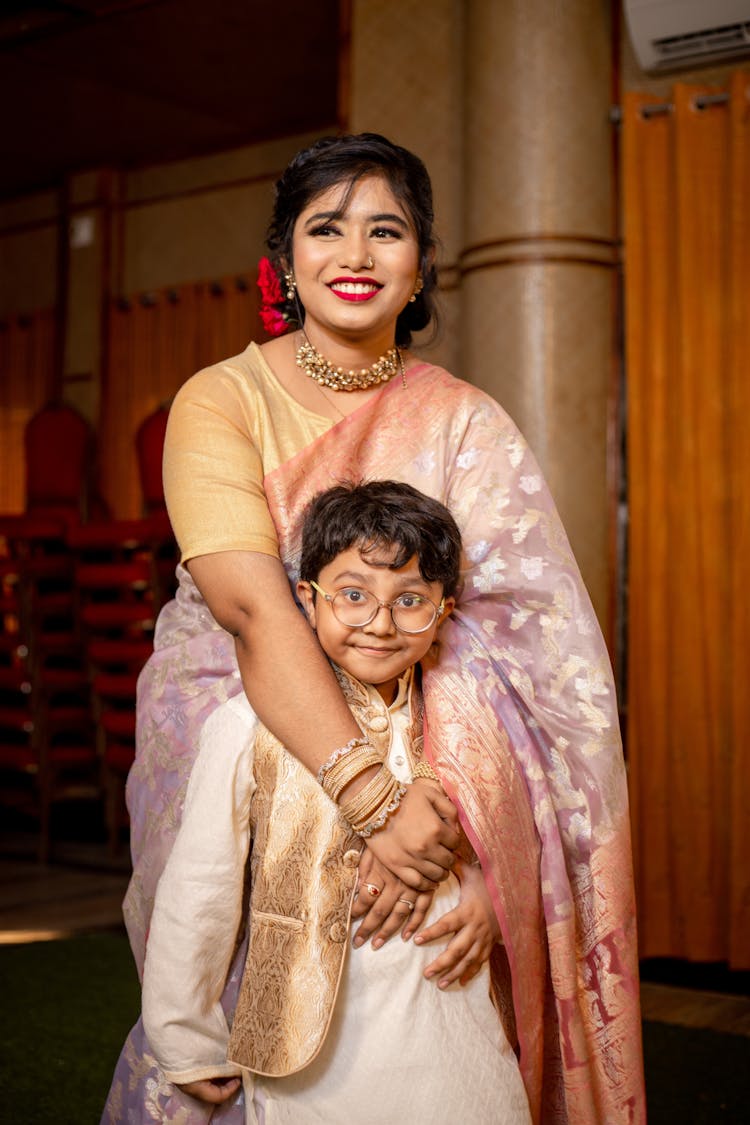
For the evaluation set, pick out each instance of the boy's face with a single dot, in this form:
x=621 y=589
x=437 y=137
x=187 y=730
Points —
x=376 y=653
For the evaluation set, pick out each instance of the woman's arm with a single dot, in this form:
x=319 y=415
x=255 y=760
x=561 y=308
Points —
x=292 y=689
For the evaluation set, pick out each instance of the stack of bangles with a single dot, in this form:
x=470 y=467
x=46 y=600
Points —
x=370 y=808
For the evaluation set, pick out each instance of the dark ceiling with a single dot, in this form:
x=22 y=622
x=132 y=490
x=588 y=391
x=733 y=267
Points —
x=118 y=83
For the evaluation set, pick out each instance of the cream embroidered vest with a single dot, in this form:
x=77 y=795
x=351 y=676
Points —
x=303 y=872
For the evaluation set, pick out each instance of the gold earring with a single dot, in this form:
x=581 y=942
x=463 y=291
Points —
x=291 y=286
x=419 y=286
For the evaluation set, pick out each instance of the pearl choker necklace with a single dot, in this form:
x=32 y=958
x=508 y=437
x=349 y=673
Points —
x=337 y=379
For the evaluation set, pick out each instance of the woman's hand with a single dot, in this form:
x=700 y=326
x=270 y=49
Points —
x=417 y=842
x=397 y=905
x=215 y=1091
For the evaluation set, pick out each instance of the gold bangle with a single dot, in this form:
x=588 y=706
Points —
x=367 y=800
x=369 y=809
x=330 y=762
x=349 y=767
x=424 y=769
x=385 y=812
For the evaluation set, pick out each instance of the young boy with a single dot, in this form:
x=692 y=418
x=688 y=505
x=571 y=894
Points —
x=315 y=1028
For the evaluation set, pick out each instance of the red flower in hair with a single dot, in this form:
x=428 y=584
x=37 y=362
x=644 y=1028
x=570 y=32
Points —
x=273 y=321
x=268 y=283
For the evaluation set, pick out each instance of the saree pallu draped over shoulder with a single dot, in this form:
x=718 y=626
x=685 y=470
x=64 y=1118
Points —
x=521 y=725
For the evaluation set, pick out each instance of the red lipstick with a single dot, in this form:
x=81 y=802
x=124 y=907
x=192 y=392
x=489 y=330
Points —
x=354 y=288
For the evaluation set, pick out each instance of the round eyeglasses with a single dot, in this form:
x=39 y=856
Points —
x=355 y=608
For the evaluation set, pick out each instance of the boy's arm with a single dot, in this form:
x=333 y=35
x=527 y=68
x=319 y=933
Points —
x=198 y=906
x=474 y=926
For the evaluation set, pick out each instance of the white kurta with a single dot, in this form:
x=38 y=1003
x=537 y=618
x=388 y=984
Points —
x=398 y=1048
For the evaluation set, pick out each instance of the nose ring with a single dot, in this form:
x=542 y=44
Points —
x=370 y=262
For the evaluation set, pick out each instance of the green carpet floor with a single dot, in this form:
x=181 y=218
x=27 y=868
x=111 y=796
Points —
x=68 y=1005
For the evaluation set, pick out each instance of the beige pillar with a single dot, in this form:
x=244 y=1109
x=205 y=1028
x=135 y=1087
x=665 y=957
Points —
x=538 y=257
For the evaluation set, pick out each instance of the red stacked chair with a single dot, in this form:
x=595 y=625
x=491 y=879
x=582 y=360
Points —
x=118 y=599
x=16 y=717
x=46 y=734
x=59 y=445
x=77 y=606
x=124 y=574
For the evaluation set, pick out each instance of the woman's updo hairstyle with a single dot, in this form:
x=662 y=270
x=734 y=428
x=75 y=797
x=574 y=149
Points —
x=344 y=160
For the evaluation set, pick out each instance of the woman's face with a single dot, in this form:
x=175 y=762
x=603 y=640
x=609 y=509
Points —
x=346 y=299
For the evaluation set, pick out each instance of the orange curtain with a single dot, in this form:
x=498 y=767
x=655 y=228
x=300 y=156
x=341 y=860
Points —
x=687 y=281
x=155 y=342
x=27 y=381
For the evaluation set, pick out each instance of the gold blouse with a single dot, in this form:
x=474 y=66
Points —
x=229 y=426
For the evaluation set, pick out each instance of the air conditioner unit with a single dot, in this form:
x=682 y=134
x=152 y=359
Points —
x=682 y=34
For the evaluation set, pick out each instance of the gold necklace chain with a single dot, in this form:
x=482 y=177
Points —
x=323 y=372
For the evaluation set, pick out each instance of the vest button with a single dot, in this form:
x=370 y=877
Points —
x=351 y=859
x=378 y=723
x=337 y=932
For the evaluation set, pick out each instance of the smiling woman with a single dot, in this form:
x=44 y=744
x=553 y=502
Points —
x=520 y=722
x=355 y=262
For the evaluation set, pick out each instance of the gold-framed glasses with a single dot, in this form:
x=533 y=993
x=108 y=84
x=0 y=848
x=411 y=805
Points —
x=355 y=608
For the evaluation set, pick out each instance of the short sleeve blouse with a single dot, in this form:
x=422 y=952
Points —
x=229 y=426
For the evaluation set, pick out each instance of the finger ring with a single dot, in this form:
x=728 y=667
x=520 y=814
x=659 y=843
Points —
x=406 y=902
x=371 y=889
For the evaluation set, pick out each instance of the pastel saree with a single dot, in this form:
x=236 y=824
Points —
x=521 y=726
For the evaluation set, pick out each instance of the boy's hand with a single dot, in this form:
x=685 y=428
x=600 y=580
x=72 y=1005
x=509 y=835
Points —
x=474 y=926
x=212 y=1090
x=384 y=915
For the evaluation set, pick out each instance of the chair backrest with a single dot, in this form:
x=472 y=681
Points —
x=59 y=446
x=149 y=444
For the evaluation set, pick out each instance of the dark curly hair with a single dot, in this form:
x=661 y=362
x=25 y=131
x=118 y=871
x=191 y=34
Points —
x=345 y=160
x=377 y=514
